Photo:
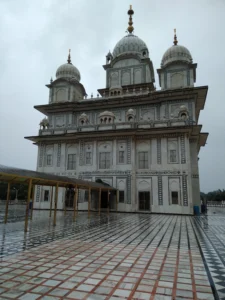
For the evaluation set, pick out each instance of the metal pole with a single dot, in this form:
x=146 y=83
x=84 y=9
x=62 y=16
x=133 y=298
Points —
x=99 y=201
x=7 y=203
x=56 y=199
x=108 y=201
x=50 y=212
x=75 y=203
x=117 y=199
x=28 y=203
x=89 y=201
x=33 y=190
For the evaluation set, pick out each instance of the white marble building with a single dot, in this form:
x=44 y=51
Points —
x=143 y=141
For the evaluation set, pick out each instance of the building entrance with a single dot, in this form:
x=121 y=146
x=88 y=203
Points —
x=104 y=199
x=144 y=201
x=69 y=197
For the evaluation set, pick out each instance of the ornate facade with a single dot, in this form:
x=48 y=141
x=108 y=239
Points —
x=143 y=141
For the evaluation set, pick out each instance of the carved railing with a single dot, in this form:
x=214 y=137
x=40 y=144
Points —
x=117 y=126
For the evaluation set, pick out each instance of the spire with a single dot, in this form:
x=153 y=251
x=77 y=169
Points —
x=69 y=58
x=130 y=12
x=175 y=38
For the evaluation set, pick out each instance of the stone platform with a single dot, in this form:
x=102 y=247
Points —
x=123 y=256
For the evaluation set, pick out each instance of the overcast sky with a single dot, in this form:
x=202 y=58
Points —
x=34 y=40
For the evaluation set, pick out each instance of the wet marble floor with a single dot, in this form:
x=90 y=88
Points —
x=121 y=256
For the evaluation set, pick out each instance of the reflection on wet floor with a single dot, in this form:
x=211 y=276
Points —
x=154 y=246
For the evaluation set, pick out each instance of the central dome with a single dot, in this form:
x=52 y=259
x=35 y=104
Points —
x=128 y=44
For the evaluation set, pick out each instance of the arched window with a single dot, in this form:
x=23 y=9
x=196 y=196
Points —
x=130 y=119
x=183 y=116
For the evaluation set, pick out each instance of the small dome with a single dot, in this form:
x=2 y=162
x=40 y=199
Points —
x=83 y=115
x=129 y=43
x=68 y=71
x=183 y=107
x=130 y=111
x=107 y=113
x=176 y=53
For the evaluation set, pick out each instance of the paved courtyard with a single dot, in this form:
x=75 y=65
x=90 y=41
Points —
x=123 y=256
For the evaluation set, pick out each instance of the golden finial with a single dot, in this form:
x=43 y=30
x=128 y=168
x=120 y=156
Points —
x=175 y=38
x=130 y=23
x=69 y=58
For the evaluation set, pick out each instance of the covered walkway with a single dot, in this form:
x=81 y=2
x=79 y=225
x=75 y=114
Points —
x=12 y=175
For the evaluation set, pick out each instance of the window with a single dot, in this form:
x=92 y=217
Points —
x=49 y=160
x=174 y=196
x=104 y=160
x=173 y=156
x=71 y=162
x=46 y=195
x=88 y=158
x=121 y=196
x=143 y=160
x=121 y=157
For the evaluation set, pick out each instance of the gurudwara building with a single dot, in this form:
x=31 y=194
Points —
x=142 y=141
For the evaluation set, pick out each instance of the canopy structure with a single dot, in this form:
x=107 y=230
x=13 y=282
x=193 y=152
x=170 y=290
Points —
x=16 y=175
x=33 y=178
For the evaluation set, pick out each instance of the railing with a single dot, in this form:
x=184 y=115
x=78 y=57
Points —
x=117 y=126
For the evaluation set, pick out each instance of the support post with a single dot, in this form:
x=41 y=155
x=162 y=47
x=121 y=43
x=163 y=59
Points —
x=108 y=201
x=89 y=201
x=50 y=212
x=7 y=203
x=33 y=190
x=65 y=205
x=117 y=199
x=28 y=203
x=99 y=201
x=75 y=203
x=56 y=200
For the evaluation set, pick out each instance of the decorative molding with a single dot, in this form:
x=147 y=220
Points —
x=129 y=151
x=168 y=172
x=160 y=191
x=185 y=193
x=103 y=173
x=58 y=155
x=159 y=153
x=38 y=193
x=42 y=147
x=129 y=189
x=81 y=158
x=183 y=151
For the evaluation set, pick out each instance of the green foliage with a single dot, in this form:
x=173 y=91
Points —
x=21 y=188
x=218 y=195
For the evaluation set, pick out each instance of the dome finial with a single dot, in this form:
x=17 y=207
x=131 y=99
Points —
x=69 y=58
x=130 y=13
x=175 y=41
